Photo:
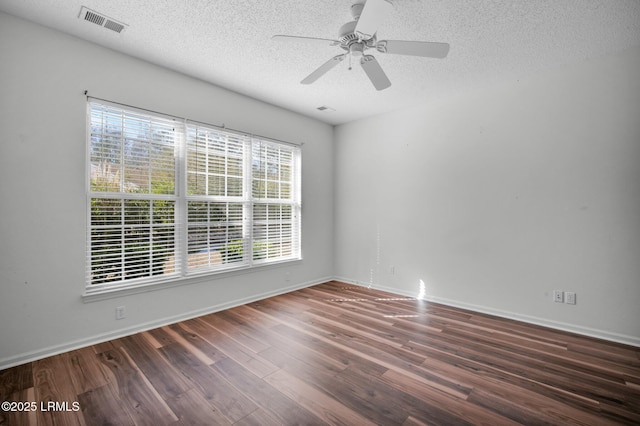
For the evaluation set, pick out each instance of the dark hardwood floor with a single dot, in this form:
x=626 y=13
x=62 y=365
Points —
x=334 y=354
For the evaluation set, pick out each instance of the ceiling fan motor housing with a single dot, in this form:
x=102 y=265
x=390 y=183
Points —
x=348 y=37
x=347 y=34
x=356 y=49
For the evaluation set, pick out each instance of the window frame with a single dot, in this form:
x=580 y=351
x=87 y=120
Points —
x=182 y=198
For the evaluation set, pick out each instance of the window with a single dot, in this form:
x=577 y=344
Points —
x=168 y=198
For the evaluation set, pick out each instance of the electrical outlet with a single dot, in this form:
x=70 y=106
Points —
x=570 y=297
x=120 y=313
x=558 y=296
x=392 y=270
x=287 y=276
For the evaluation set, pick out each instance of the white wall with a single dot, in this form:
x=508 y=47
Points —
x=43 y=75
x=497 y=198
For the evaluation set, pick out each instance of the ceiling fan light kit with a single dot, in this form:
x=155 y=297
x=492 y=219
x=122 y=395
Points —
x=359 y=35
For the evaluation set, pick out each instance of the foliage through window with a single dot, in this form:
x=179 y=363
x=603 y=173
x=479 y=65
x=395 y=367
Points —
x=169 y=198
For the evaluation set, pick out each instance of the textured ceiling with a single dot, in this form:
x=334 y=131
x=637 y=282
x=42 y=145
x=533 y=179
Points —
x=228 y=43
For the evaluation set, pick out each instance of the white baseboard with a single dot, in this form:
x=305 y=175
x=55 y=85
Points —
x=572 y=328
x=19 y=359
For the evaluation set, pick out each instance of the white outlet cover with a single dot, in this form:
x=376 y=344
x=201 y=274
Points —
x=570 y=297
x=558 y=296
x=120 y=312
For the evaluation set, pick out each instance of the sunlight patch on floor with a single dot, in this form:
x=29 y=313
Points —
x=377 y=299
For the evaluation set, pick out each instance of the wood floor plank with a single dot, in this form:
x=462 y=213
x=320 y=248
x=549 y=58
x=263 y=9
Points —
x=84 y=370
x=331 y=384
x=517 y=413
x=295 y=348
x=326 y=408
x=216 y=390
x=278 y=405
x=518 y=394
x=206 y=352
x=20 y=418
x=552 y=370
x=15 y=379
x=352 y=352
x=230 y=347
x=100 y=406
x=455 y=406
x=378 y=394
x=382 y=327
x=160 y=338
x=193 y=409
x=318 y=343
x=411 y=421
x=355 y=338
x=258 y=418
x=167 y=381
x=476 y=373
x=484 y=363
x=336 y=353
x=52 y=385
x=370 y=334
x=240 y=326
x=152 y=340
x=137 y=395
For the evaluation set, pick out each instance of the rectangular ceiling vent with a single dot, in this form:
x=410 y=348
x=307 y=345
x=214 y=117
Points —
x=102 y=20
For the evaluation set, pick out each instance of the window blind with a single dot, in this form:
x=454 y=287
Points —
x=276 y=207
x=216 y=198
x=168 y=198
x=132 y=194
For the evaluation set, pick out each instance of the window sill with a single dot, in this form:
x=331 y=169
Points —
x=90 y=296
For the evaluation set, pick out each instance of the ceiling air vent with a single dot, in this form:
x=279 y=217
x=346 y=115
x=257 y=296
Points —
x=100 y=19
x=325 y=108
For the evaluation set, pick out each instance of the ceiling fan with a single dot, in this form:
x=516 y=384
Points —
x=359 y=35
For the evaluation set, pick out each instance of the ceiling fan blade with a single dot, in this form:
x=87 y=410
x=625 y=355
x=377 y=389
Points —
x=322 y=41
x=414 y=48
x=375 y=73
x=323 y=69
x=373 y=14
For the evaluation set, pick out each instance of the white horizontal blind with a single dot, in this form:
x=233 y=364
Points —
x=217 y=221
x=132 y=171
x=276 y=201
x=215 y=162
x=168 y=199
